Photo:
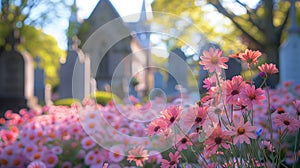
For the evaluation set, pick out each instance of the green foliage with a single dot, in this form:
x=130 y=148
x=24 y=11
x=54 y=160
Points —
x=24 y=17
x=104 y=97
x=190 y=20
x=65 y=102
x=39 y=44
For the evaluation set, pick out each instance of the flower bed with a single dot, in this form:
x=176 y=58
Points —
x=233 y=125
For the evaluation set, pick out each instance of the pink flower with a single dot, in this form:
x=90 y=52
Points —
x=67 y=165
x=209 y=82
x=154 y=157
x=90 y=158
x=37 y=164
x=236 y=55
x=30 y=149
x=57 y=150
x=183 y=143
x=174 y=160
x=215 y=140
x=250 y=56
x=267 y=145
x=171 y=114
x=268 y=69
x=194 y=116
x=116 y=154
x=37 y=156
x=50 y=159
x=285 y=121
x=251 y=95
x=87 y=143
x=8 y=137
x=17 y=162
x=156 y=126
x=242 y=131
x=137 y=154
x=213 y=60
x=296 y=104
x=233 y=89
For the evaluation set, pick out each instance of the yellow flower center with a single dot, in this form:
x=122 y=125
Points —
x=241 y=130
x=214 y=59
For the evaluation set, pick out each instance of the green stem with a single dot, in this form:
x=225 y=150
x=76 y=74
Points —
x=270 y=121
x=295 y=150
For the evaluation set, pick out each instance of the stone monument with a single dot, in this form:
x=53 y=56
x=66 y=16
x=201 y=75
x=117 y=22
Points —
x=39 y=81
x=290 y=51
x=177 y=73
x=16 y=78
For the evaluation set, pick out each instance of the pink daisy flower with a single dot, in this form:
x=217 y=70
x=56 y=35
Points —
x=57 y=150
x=267 y=145
x=242 y=131
x=251 y=95
x=250 y=56
x=116 y=154
x=87 y=143
x=209 y=82
x=183 y=143
x=8 y=136
x=37 y=164
x=156 y=126
x=67 y=164
x=174 y=160
x=268 y=69
x=233 y=89
x=50 y=160
x=36 y=156
x=90 y=158
x=9 y=151
x=213 y=61
x=137 y=154
x=17 y=162
x=30 y=149
x=154 y=157
x=285 y=121
x=215 y=140
x=171 y=114
x=194 y=116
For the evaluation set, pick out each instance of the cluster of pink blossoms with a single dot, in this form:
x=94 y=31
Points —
x=55 y=137
x=235 y=124
x=233 y=117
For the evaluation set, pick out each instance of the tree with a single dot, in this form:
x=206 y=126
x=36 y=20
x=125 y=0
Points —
x=191 y=19
x=25 y=18
x=48 y=51
x=263 y=25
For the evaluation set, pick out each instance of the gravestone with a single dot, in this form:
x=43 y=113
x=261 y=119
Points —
x=66 y=75
x=39 y=81
x=176 y=72
x=81 y=77
x=234 y=68
x=133 y=83
x=158 y=80
x=74 y=76
x=48 y=95
x=16 y=81
x=290 y=51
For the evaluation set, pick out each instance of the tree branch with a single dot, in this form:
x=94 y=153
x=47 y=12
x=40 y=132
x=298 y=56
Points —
x=252 y=16
x=231 y=16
